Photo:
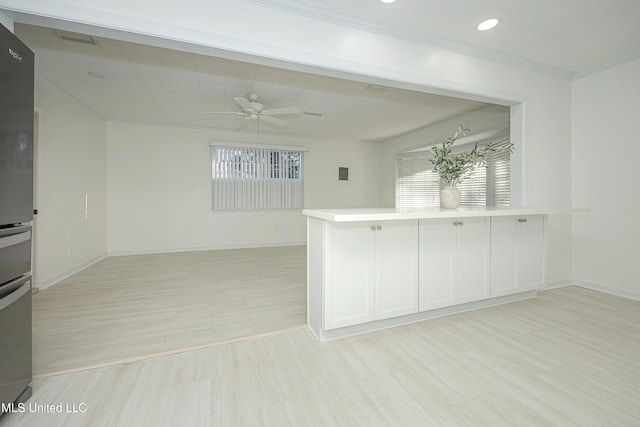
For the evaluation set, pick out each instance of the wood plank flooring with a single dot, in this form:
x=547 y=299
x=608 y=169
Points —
x=127 y=308
x=568 y=358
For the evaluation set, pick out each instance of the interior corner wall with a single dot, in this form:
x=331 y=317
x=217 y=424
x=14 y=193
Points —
x=71 y=185
x=605 y=153
x=159 y=190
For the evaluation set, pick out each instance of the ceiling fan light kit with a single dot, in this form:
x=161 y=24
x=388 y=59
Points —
x=254 y=110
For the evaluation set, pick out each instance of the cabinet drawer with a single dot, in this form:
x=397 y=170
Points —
x=15 y=252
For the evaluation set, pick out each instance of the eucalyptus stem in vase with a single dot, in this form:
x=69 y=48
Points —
x=454 y=166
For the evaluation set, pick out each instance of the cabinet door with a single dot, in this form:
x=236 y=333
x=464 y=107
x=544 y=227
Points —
x=349 y=281
x=396 y=268
x=472 y=259
x=437 y=253
x=530 y=252
x=517 y=254
x=504 y=257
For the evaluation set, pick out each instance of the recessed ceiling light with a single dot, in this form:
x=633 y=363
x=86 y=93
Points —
x=488 y=24
x=387 y=1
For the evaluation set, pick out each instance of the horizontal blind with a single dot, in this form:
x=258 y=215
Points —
x=499 y=173
x=417 y=186
x=256 y=178
x=473 y=190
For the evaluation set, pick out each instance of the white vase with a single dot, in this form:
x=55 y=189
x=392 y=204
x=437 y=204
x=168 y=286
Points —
x=449 y=197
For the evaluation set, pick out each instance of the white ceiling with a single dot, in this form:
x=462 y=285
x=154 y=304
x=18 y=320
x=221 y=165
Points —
x=153 y=85
x=571 y=36
x=146 y=84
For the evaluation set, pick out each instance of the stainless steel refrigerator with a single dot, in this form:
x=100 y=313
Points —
x=16 y=214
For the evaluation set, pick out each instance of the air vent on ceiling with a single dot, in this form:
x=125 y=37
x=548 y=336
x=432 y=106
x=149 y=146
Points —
x=376 y=88
x=75 y=37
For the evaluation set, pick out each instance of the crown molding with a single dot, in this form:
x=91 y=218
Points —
x=607 y=65
x=311 y=10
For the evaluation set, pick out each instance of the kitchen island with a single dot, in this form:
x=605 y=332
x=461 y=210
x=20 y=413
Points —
x=369 y=269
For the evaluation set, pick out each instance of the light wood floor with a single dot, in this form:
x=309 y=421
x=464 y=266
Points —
x=126 y=308
x=568 y=358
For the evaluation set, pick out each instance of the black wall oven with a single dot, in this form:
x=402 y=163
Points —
x=16 y=214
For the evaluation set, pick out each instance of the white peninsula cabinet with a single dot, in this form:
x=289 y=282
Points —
x=369 y=269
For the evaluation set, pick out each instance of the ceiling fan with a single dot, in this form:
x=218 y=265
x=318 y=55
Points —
x=253 y=110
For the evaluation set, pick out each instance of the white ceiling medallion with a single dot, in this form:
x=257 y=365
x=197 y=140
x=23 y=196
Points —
x=488 y=24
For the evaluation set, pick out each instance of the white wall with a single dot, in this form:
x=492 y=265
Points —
x=71 y=170
x=159 y=190
x=605 y=152
x=277 y=37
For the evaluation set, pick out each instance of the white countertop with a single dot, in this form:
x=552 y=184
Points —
x=380 y=214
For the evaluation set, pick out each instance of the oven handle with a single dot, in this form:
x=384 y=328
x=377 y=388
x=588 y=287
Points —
x=15 y=295
x=14 y=239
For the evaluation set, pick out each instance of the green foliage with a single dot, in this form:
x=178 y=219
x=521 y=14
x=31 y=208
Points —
x=452 y=167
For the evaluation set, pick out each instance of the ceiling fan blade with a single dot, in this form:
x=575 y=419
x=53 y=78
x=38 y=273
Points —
x=235 y=113
x=273 y=120
x=281 y=111
x=244 y=103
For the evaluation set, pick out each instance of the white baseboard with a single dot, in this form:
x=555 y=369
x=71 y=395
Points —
x=559 y=284
x=202 y=248
x=378 y=325
x=60 y=277
x=608 y=289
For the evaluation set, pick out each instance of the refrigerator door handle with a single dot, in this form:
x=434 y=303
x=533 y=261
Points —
x=15 y=295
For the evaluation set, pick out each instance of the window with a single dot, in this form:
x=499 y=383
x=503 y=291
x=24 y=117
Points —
x=417 y=186
x=246 y=177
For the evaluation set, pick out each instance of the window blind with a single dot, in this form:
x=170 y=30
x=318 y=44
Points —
x=256 y=178
x=499 y=173
x=418 y=186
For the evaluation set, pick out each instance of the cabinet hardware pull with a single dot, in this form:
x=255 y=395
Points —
x=522 y=220
x=379 y=228
x=458 y=223
x=373 y=228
